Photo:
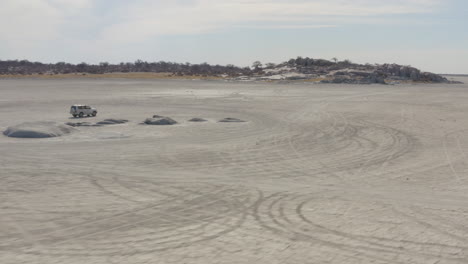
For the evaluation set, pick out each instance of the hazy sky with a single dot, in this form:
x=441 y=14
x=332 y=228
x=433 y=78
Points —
x=429 y=34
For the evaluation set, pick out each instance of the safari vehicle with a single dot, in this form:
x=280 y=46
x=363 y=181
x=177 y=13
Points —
x=82 y=110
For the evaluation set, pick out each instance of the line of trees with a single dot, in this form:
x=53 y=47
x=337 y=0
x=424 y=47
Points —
x=304 y=65
x=26 y=67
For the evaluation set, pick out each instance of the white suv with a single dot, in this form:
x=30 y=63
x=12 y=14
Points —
x=82 y=110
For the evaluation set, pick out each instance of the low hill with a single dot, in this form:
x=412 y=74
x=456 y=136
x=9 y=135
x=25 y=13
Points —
x=325 y=71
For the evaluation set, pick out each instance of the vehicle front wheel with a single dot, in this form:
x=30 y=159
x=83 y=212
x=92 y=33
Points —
x=94 y=113
x=81 y=114
x=75 y=116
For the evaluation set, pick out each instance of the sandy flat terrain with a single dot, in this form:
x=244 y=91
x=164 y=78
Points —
x=112 y=75
x=317 y=174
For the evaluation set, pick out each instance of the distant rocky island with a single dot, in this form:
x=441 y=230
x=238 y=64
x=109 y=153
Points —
x=298 y=69
x=325 y=71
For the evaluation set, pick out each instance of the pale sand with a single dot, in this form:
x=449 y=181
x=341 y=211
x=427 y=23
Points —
x=316 y=174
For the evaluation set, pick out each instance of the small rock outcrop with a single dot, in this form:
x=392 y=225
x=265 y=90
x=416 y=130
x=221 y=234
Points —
x=38 y=130
x=111 y=121
x=160 y=120
x=231 y=120
x=78 y=124
x=197 y=119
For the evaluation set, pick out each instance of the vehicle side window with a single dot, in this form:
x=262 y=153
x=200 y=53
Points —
x=87 y=107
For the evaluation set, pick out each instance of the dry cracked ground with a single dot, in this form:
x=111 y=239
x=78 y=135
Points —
x=317 y=174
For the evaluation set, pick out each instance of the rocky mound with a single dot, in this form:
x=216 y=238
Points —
x=197 y=119
x=111 y=121
x=399 y=72
x=231 y=120
x=324 y=71
x=78 y=124
x=160 y=120
x=38 y=130
x=386 y=73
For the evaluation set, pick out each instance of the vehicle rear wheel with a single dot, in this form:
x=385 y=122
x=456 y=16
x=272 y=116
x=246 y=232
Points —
x=94 y=113
x=75 y=115
x=81 y=114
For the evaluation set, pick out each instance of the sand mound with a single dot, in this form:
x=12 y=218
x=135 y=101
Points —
x=111 y=121
x=197 y=119
x=38 y=130
x=78 y=124
x=160 y=120
x=231 y=119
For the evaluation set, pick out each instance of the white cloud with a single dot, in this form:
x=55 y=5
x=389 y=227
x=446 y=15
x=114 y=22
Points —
x=289 y=26
x=36 y=20
x=71 y=4
x=24 y=20
x=143 y=19
x=139 y=20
